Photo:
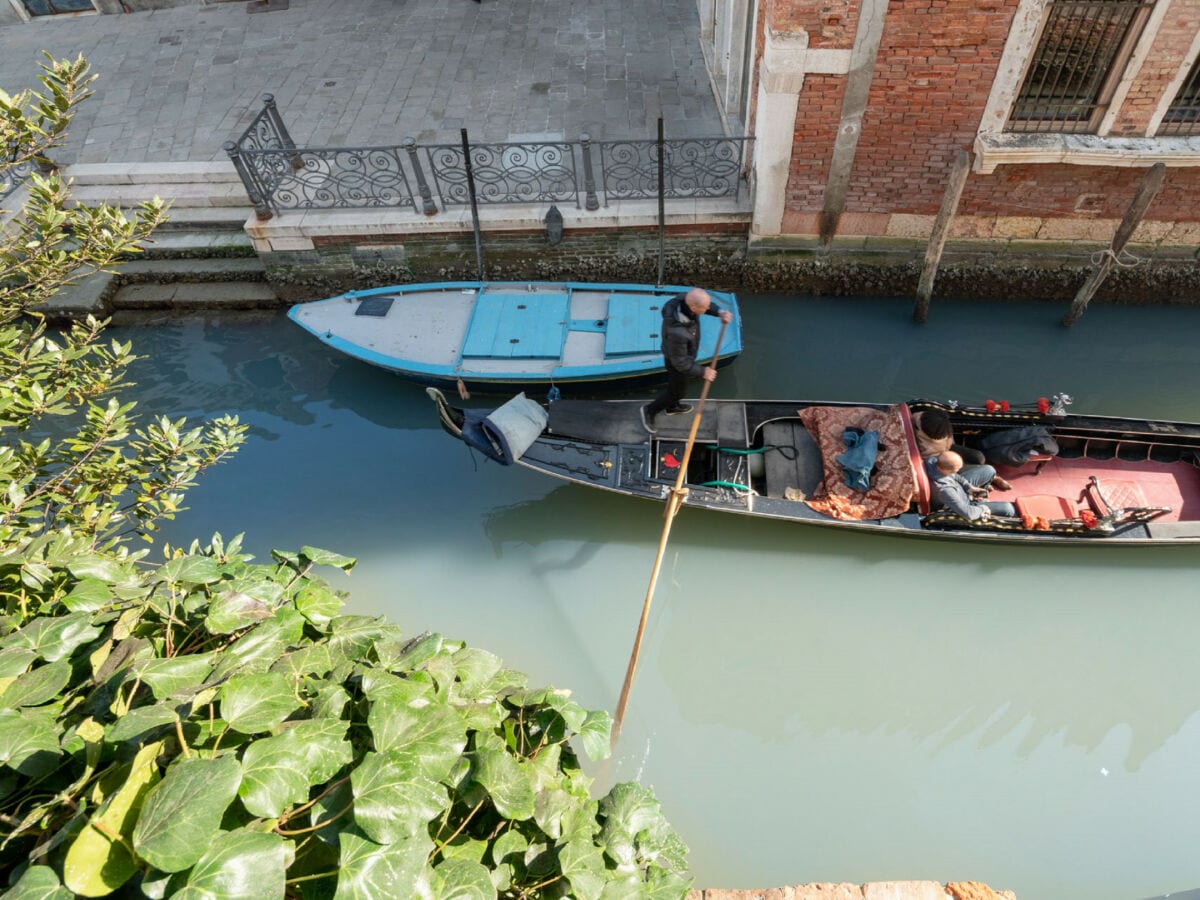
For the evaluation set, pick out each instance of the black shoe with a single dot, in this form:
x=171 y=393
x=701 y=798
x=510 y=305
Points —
x=647 y=421
x=681 y=410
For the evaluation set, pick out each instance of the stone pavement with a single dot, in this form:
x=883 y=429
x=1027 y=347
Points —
x=175 y=84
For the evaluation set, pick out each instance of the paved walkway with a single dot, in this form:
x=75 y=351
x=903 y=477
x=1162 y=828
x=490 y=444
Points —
x=175 y=84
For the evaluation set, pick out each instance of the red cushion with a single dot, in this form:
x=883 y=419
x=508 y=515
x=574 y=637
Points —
x=1046 y=506
x=918 y=465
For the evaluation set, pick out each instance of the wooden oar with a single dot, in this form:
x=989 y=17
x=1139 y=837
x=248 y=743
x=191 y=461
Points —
x=678 y=493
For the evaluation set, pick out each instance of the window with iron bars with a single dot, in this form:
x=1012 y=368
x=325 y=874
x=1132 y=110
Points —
x=1080 y=57
x=1183 y=115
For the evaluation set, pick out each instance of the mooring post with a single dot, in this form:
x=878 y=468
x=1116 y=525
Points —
x=427 y=205
x=1146 y=191
x=941 y=229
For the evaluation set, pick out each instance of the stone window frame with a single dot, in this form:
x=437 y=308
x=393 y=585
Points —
x=26 y=16
x=994 y=147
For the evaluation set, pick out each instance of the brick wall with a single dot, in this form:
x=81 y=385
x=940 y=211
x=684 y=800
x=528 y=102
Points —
x=935 y=68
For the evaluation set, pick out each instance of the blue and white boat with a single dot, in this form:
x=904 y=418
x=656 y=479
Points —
x=508 y=336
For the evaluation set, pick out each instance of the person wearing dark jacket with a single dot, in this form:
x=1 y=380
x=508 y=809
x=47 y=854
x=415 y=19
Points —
x=680 y=344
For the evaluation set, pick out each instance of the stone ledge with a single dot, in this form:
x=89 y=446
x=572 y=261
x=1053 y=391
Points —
x=992 y=150
x=879 y=890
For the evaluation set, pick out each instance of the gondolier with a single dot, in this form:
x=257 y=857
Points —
x=680 y=343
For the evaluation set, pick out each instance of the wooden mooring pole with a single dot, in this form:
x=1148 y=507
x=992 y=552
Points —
x=1146 y=191
x=941 y=229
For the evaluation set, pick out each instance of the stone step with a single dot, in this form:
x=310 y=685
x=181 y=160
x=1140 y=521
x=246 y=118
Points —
x=180 y=194
x=91 y=296
x=211 y=269
x=152 y=173
x=185 y=295
x=176 y=244
x=202 y=217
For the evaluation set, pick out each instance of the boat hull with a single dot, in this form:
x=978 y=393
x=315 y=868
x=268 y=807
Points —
x=601 y=444
x=503 y=337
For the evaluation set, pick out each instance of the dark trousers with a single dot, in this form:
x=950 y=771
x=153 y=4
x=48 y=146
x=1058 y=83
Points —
x=670 y=396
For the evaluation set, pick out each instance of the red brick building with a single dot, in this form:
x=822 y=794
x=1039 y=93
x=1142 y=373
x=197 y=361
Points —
x=860 y=106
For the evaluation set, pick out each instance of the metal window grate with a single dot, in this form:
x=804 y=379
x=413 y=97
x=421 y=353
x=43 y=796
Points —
x=1183 y=116
x=1080 y=56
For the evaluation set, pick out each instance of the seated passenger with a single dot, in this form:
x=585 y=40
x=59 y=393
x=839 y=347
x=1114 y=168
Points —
x=954 y=492
x=935 y=436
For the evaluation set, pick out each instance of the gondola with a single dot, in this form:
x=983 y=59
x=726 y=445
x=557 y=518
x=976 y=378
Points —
x=1098 y=479
x=501 y=337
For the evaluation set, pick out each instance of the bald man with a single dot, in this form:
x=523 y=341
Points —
x=680 y=344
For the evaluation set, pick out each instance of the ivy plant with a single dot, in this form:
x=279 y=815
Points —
x=214 y=728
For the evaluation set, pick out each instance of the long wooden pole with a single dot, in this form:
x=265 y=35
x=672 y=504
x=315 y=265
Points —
x=678 y=493
x=1146 y=191
x=941 y=229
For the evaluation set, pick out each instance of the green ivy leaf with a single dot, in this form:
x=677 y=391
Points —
x=15 y=660
x=27 y=736
x=259 y=648
x=314 y=659
x=393 y=800
x=95 y=863
x=256 y=703
x=476 y=669
x=95 y=567
x=174 y=674
x=38 y=883
x=415 y=652
x=434 y=735
x=37 y=686
x=323 y=744
x=634 y=829
x=596 y=735
x=233 y=610
x=320 y=557
x=582 y=864
x=274 y=776
x=354 y=636
x=183 y=813
x=508 y=781
x=89 y=595
x=241 y=865
x=318 y=603
x=135 y=723
x=369 y=870
x=190 y=570
x=53 y=638
x=461 y=879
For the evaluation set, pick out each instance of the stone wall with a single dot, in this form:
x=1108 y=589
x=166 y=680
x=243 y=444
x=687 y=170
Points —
x=879 y=890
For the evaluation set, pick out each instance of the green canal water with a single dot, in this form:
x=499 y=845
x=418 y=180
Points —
x=810 y=706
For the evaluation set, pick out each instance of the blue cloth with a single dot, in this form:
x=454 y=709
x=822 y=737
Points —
x=859 y=459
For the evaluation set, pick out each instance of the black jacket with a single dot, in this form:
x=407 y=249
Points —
x=681 y=336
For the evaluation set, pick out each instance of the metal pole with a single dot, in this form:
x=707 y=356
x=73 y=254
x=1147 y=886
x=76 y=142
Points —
x=662 y=209
x=466 y=146
x=1146 y=192
x=941 y=229
x=262 y=209
x=589 y=179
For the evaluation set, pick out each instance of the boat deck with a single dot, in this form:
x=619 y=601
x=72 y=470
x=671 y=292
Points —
x=1175 y=485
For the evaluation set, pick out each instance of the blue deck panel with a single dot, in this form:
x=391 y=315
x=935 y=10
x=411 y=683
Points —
x=517 y=326
x=634 y=324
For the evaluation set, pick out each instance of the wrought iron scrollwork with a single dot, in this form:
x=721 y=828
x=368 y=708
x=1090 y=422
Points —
x=332 y=178
x=14 y=176
x=693 y=167
x=506 y=173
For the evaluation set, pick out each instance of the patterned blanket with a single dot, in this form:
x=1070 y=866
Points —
x=893 y=484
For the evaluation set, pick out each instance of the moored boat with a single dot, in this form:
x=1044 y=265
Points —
x=1117 y=481
x=509 y=336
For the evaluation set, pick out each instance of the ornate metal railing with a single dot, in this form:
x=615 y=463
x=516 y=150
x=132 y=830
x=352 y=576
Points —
x=278 y=175
x=14 y=176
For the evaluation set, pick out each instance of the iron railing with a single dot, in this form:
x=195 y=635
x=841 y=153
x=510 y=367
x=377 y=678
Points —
x=1183 y=115
x=278 y=175
x=1080 y=56
x=14 y=176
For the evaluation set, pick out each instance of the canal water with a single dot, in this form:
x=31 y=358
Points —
x=809 y=706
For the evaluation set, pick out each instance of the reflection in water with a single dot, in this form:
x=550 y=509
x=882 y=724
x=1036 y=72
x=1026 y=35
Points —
x=810 y=706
